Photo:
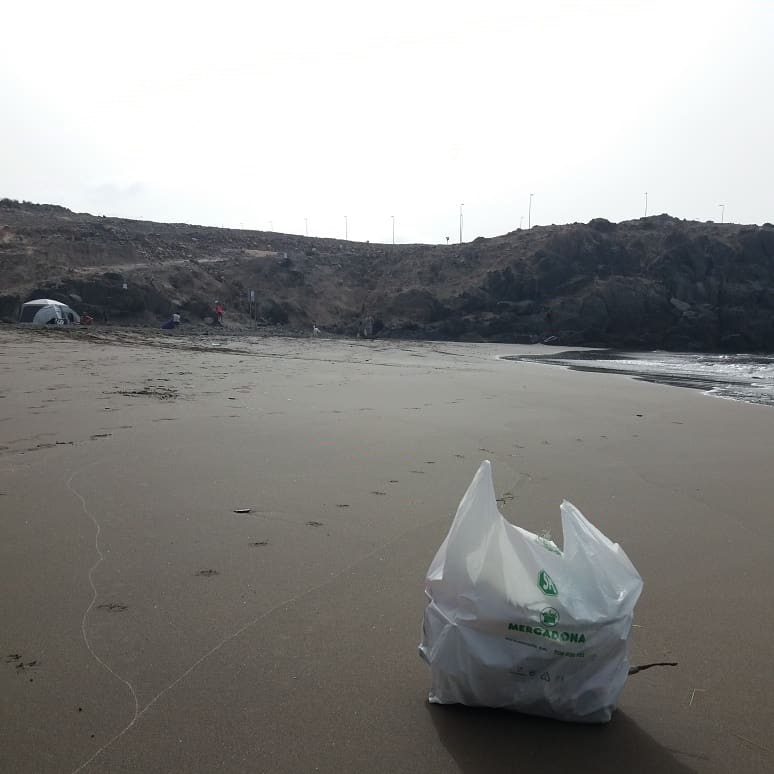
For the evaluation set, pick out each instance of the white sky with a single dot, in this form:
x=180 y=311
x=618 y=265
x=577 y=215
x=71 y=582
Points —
x=262 y=114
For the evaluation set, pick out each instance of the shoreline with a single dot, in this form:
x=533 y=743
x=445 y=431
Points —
x=723 y=382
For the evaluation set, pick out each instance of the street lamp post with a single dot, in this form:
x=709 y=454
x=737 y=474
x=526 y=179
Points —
x=461 y=206
x=646 y=204
x=529 y=212
x=722 y=212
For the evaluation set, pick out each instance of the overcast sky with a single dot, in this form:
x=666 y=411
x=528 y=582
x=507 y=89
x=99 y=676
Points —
x=261 y=114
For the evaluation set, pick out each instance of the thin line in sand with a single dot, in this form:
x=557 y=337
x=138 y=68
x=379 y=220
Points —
x=100 y=559
x=750 y=741
x=225 y=640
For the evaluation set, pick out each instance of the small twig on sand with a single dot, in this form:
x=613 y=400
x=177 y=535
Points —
x=643 y=667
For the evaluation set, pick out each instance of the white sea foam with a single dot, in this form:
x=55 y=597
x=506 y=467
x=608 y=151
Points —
x=741 y=377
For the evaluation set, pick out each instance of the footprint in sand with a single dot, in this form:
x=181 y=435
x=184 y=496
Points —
x=101 y=435
x=375 y=492
x=314 y=523
x=207 y=573
x=417 y=471
x=256 y=543
x=393 y=480
x=22 y=666
x=113 y=607
x=341 y=505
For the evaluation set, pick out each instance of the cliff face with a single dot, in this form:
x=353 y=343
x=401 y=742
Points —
x=656 y=282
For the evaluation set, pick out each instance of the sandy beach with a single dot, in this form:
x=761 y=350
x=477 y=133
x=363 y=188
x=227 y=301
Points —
x=148 y=627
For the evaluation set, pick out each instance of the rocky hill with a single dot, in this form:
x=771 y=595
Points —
x=656 y=282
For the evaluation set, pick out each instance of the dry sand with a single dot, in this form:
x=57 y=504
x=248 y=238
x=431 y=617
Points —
x=146 y=627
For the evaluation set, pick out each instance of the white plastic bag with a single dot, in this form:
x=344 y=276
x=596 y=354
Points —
x=515 y=622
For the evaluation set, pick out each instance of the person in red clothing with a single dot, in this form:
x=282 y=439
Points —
x=219 y=312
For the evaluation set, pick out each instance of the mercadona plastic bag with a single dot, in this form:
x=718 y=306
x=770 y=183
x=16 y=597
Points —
x=515 y=622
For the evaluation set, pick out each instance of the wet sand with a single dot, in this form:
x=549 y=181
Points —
x=147 y=627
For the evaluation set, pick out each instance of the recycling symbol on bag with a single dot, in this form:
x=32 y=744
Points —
x=546 y=584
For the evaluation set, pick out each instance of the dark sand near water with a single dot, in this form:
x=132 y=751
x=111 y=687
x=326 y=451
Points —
x=300 y=654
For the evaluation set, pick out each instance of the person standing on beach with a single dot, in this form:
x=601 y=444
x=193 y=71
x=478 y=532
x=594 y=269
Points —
x=219 y=312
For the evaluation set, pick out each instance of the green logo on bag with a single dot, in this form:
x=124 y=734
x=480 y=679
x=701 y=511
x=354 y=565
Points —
x=549 y=616
x=546 y=585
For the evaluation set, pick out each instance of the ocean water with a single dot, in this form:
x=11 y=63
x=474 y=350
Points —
x=748 y=378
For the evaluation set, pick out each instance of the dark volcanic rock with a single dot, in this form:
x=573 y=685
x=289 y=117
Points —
x=415 y=306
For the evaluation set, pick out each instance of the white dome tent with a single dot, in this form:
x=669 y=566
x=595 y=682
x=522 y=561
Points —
x=46 y=311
